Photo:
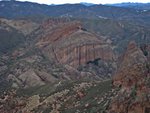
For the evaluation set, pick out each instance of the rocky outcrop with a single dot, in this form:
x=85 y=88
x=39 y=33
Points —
x=53 y=32
x=70 y=44
x=81 y=52
x=133 y=78
x=133 y=58
x=54 y=52
x=31 y=78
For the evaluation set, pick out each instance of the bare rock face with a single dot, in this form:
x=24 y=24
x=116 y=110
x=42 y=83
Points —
x=53 y=32
x=70 y=44
x=81 y=48
x=132 y=59
x=133 y=78
x=55 y=51
x=31 y=78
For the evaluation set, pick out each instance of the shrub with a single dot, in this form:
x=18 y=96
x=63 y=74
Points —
x=133 y=92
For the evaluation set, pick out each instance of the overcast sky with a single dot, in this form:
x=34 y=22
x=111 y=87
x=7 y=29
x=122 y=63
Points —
x=89 y=1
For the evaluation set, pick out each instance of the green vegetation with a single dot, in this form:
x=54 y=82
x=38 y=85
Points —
x=10 y=39
x=133 y=92
x=120 y=32
x=96 y=99
x=41 y=90
x=92 y=97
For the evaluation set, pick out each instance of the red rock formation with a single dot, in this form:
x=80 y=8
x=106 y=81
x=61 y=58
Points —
x=132 y=58
x=82 y=54
x=56 y=33
x=133 y=77
x=72 y=45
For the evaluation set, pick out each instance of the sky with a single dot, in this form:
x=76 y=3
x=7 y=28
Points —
x=89 y=1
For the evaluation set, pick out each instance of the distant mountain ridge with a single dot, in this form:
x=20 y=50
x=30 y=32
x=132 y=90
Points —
x=23 y=9
x=87 y=4
x=138 y=6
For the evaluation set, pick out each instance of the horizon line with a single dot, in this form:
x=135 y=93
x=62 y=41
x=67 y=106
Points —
x=75 y=3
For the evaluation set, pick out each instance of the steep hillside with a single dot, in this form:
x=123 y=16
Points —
x=133 y=79
x=73 y=45
x=14 y=33
x=58 y=49
x=9 y=38
x=74 y=58
x=118 y=33
x=65 y=97
x=24 y=26
x=36 y=12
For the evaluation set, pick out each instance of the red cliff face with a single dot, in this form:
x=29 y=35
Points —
x=81 y=54
x=133 y=78
x=70 y=44
x=53 y=32
x=132 y=58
